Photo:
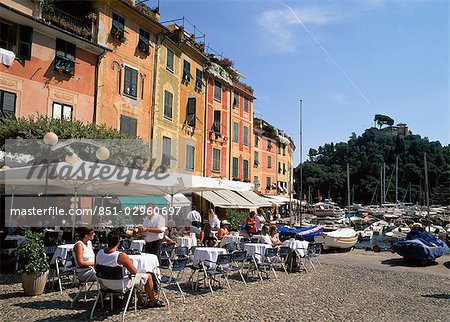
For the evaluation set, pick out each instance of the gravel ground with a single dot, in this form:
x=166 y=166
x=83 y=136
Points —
x=349 y=286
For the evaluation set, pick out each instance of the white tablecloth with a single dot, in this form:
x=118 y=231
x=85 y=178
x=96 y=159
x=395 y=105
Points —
x=62 y=251
x=230 y=239
x=20 y=239
x=257 y=250
x=208 y=253
x=137 y=244
x=299 y=245
x=145 y=263
x=260 y=238
x=186 y=241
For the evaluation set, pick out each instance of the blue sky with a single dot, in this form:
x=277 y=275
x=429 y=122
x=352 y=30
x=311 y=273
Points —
x=347 y=60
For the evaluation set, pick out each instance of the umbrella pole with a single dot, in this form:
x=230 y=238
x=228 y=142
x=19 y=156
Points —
x=12 y=205
x=75 y=214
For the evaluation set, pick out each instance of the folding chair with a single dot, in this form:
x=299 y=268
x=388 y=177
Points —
x=238 y=259
x=83 y=284
x=63 y=267
x=166 y=254
x=317 y=251
x=177 y=267
x=223 y=260
x=182 y=251
x=271 y=259
x=283 y=254
x=113 y=281
x=231 y=247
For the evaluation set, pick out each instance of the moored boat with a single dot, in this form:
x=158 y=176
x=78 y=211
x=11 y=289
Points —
x=344 y=238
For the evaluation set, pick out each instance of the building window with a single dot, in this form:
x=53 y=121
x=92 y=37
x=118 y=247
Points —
x=25 y=42
x=218 y=91
x=279 y=167
x=198 y=79
x=236 y=99
x=269 y=162
x=235 y=168
x=190 y=157
x=216 y=160
x=235 y=132
x=256 y=141
x=255 y=183
x=7 y=104
x=144 y=41
x=60 y=111
x=245 y=135
x=7 y=36
x=279 y=148
x=118 y=28
x=256 y=158
x=245 y=166
x=166 y=151
x=246 y=104
x=186 y=71
x=168 y=103
x=217 y=121
x=169 y=62
x=284 y=150
x=284 y=168
x=130 y=83
x=128 y=125
x=268 y=184
x=269 y=145
x=65 y=57
x=191 y=111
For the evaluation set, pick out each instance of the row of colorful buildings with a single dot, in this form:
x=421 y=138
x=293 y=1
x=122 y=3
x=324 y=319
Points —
x=113 y=62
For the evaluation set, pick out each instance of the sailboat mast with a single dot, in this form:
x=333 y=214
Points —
x=381 y=186
x=396 y=179
x=300 y=197
x=427 y=193
x=384 y=182
x=348 y=186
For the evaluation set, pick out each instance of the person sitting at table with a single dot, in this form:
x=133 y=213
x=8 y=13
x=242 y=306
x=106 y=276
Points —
x=84 y=255
x=110 y=256
x=250 y=223
x=260 y=220
x=188 y=229
x=224 y=229
x=274 y=236
x=265 y=235
x=171 y=232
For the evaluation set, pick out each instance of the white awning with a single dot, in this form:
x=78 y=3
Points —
x=255 y=199
x=178 y=200
x=215 y=199
x=235 y=199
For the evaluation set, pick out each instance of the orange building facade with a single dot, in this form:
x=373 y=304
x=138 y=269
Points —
x=126 y=72
x=241 y=166
x=46 y=70
x=217 y=141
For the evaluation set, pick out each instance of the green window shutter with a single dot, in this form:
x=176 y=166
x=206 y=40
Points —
x=168 y=103
x=198 y=79
x=190 y=157
x=25 y=43
x=191 y=111
x=245 y=135
x=245 y=169
x=169 y=59
x=186 y=71
x=235 y=132
x=235 y=168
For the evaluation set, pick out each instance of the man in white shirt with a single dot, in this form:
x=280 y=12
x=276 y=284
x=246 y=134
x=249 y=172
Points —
x=260 y=220
x=153 y=228
x=194 y=217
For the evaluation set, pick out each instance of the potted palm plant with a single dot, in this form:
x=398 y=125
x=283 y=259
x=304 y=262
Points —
x=32 y=264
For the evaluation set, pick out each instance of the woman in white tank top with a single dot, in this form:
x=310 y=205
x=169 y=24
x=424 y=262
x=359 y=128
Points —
x=84 y=255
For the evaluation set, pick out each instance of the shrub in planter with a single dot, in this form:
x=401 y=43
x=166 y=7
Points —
x=32 y=264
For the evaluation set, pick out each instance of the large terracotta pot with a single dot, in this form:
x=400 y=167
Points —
x=34 y=284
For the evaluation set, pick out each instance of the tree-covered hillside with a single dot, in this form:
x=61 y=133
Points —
x=324 y=172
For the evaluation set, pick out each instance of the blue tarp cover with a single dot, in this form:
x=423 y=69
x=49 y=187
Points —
x=419 y=245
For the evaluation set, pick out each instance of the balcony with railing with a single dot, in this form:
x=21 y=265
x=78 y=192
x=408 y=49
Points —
x=80 y=24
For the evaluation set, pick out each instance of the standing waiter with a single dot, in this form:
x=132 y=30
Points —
x=153 y=228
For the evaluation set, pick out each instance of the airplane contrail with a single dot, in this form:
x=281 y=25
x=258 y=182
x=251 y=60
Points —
x=328 y=55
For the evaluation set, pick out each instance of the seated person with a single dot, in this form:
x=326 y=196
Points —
x=274 y=236
x=224 y=229
x=188 y=229
x=265 y=235
x=110 y=256
x=250 y=223
x=83 y=254
x=170 y=233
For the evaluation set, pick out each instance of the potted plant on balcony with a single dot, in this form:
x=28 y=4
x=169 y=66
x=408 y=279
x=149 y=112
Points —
x=32 y=264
